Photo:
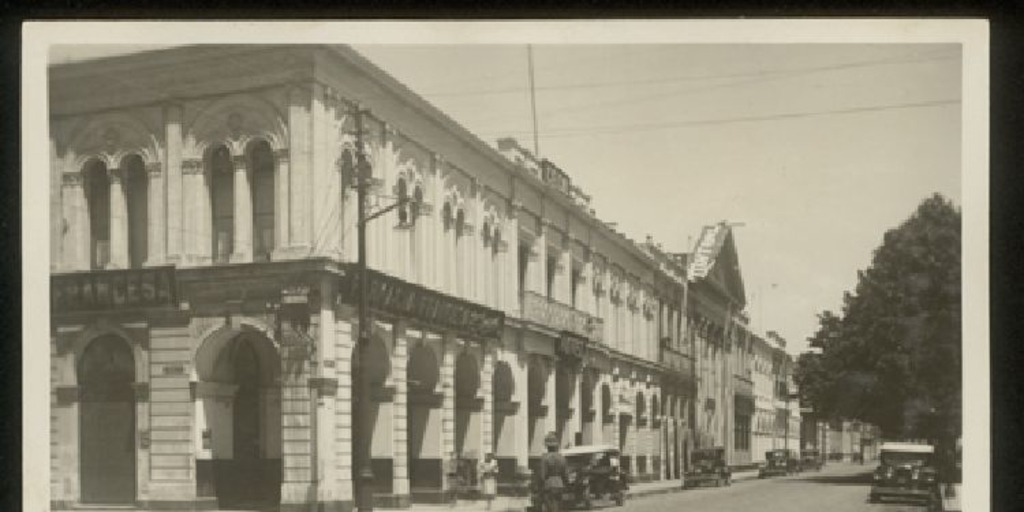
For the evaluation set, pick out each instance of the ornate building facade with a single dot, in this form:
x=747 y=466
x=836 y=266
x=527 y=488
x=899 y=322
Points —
x=203 y=316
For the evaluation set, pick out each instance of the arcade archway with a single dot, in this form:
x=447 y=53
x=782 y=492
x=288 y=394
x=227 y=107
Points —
x=106 y=372
x=238 y=415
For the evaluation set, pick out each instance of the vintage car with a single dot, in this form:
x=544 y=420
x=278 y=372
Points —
x=708 y=467
x=905 y=472
x=778 y=463
x=811 y=459
x=594 y=474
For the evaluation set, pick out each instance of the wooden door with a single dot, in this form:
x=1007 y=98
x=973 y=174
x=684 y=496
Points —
x=107 y=422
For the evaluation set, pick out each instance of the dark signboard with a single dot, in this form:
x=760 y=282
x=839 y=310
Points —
x=398 y=298
x=112 y=289
x=572 y=347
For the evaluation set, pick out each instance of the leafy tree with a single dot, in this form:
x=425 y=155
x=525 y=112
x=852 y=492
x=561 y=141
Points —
x=893 y=356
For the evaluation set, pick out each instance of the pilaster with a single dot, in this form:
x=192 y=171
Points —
x=448 y=404
x=118 y=220
x=157 y=236
x=174 y=211
x=76 y=218
x=400 y=435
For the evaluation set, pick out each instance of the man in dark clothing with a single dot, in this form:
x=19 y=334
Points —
x=554 y=475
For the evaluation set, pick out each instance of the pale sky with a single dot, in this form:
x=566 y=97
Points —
x=817 y=149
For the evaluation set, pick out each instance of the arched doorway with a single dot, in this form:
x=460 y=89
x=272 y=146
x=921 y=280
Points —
x=641 y=425
x=468 y=408
x=106 y=372
x=537 y=410
x=565 y=392
x=238 y=413
x=376 y=428
x=504 y=424
x=424 y=424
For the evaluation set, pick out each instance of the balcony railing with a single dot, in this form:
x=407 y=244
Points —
x=555 y=315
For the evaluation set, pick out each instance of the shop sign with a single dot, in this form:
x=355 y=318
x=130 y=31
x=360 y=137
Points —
x=395 y=297
x=112 y=289
x=572 y=347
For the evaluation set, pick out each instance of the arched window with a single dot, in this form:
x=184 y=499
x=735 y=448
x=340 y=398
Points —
x=137 y=197
x=496 y=270
x=446 y=216
x=262 y=187
x=402 y=193
x=97 y=195
x=460 y=258
x=219 y=175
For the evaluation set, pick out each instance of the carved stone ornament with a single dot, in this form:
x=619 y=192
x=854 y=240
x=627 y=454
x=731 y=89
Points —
x=154 y=169
x=234 y=124
x=111 y=138
x=71 y=179
x=239 y=162
x=192 y=166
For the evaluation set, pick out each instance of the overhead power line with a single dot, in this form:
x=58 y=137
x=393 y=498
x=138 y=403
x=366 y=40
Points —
x=691 y=78
x=599 y=130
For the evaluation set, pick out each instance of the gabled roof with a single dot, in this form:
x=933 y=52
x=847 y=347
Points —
x=716 y=262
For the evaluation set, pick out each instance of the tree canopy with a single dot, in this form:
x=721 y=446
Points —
x=893 y=355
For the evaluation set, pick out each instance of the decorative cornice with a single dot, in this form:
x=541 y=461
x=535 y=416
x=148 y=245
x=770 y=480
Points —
x=281 y=155
x=154 y=169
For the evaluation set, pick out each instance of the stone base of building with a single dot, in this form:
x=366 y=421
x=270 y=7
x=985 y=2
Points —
x=392 y=500
x=431 y=496
x=323 y=506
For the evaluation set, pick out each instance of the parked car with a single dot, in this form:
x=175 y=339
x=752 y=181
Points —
x=811 y=459
x=708 y=467
x=777 y=463
x=906 y=472
x=594 y=474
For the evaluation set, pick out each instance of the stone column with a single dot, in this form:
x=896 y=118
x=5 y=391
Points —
x=242 y=250
x=400 y=414
x=75 y=222
x=193 y=210
x=157 y=236
x=325 y=386
x=447 y=404
x=297 y=432
x=487 y=389
x=520 y=367
x=344 y=342
x=118 y=221
x=174 y=211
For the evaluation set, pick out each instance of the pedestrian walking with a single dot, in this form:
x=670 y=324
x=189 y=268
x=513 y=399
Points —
x=554 y=475
x=489 y=478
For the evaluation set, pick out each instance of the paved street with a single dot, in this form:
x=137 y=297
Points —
x=837 y=488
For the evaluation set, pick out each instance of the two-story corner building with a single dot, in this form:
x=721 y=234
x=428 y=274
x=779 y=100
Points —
x=716 y=321
x=203 y=299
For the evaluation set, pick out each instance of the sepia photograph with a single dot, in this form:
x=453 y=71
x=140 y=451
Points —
x=506 y=266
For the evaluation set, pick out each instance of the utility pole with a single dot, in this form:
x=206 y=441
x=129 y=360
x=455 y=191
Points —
x=533 y=101
x=362 y=391
x=363 y=421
